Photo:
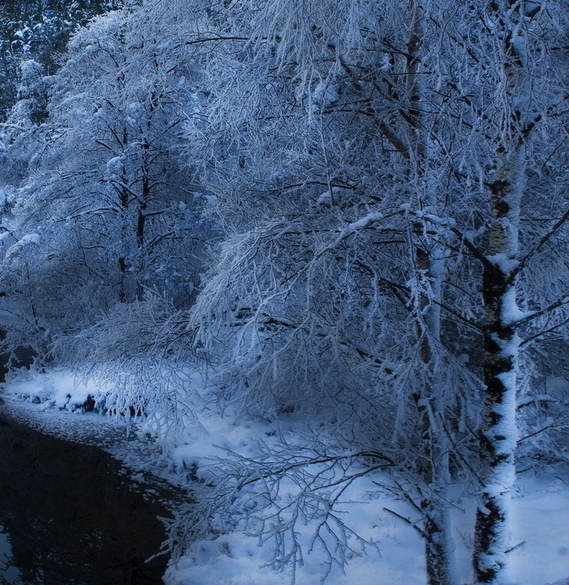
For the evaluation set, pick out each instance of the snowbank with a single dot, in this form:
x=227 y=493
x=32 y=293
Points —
x=56 y=401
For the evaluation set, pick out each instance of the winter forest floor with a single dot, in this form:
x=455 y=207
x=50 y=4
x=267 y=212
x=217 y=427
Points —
x=539 y=509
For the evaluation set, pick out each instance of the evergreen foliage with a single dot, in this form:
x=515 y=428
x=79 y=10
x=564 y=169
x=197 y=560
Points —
x=38 y=30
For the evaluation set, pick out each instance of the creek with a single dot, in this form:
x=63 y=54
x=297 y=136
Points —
x=70 y=515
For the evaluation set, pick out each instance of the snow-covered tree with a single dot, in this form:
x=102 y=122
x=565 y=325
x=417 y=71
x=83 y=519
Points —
x=115 y=209
x=38 y=30
x=382 y=174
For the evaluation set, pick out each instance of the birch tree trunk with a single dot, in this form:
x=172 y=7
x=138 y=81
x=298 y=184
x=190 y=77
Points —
x=498 y=434
x=497 y=439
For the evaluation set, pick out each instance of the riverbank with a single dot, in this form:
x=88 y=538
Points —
x=141 y=456
x=72 y=516
x=214 y=439
x=80 y=501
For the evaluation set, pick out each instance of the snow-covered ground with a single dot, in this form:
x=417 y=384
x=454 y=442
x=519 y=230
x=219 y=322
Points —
x=539 y=511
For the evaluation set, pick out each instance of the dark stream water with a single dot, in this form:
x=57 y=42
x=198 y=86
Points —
x=69 y=516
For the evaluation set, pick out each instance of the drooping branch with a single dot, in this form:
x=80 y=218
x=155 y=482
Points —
x=540 y=243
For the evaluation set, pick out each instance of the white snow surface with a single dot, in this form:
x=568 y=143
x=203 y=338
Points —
x=504 y=262
x=22 y=243
x=511 y=313
x=539 y=507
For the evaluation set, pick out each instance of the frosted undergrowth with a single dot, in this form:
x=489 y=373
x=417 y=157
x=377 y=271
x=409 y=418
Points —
x=55 y=402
